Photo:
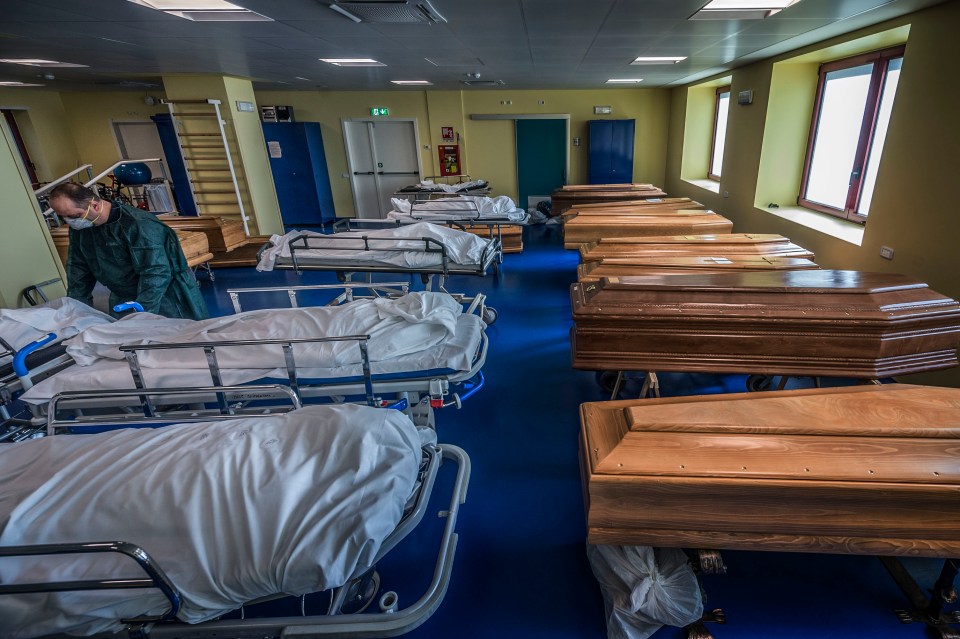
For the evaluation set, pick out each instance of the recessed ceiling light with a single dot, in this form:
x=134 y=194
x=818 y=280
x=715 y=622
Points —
x=204 y=10
x=35 y=62
x=741 y=9
x=419 y=82
x=297 y=77
x=659 y=59
x=8 y=83
x=624 y=80
x=353 y=62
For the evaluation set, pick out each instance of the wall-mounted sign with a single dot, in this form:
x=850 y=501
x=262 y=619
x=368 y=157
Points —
x=447 y=132
x=602 y=110
x=379 y=111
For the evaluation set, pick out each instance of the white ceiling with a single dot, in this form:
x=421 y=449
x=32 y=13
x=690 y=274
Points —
x=549 y=44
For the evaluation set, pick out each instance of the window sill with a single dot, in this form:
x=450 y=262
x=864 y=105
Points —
x=833 y=226
x=705 y=184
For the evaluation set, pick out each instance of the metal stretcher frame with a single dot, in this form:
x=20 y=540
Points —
x=491 y=257
x=371 y=625
x=420 y=194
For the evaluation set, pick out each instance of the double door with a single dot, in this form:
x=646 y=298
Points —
x=383 y=157
x=611 y=151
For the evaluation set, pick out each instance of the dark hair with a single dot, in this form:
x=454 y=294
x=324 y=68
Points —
x=79 y=194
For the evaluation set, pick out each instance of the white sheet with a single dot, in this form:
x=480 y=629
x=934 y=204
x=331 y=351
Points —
x=459 y=208
x=453 y=354
x=397 y=327
x=64 y=316
x=430 y=185
x=231 y=511
x=462 y=247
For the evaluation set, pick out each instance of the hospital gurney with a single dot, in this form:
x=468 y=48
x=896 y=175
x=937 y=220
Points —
x=424 y=249
x=304 y=502
x=415 y=347
x=429 y=189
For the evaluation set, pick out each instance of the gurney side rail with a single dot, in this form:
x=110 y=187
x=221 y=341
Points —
x=210 y=350
x=156 y=578
x=430 y=245
x=377 y=289
x=150 y=416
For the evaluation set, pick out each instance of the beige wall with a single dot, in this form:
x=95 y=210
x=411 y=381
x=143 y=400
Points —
x=914 y=204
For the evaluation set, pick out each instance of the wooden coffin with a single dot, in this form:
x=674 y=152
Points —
x=689 y=264
x=511 y=236
x=561 y=200
x=222 y=234
x=674 y=202
x=583 y=229
x=194 y=245
x=816 y=322
x=654 y=208
x=243 y=255
x=705 y=245
x=859 y=470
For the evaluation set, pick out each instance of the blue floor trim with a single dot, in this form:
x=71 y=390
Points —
x=521 y=569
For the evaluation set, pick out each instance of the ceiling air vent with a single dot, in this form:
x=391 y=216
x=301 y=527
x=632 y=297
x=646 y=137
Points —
x=483 y=83
x=388 y=11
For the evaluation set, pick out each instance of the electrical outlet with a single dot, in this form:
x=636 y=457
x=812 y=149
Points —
x=345 y=176
x=726 y=194
x=886 y=252
x=541 y=102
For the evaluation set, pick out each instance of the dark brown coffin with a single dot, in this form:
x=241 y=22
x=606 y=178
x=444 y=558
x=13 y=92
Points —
x=592 y=228
x=222 y=234
x=689 y=264
x=859 y=470
x=705 y=245
x=818 y=322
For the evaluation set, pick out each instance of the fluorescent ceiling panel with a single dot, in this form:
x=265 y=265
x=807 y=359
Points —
x=624 y=80
x=741 y=9
x=35 y=62
x=204 y=10
x=659 y=59
x=353 y=62
x=18 y=84
x=411 y=82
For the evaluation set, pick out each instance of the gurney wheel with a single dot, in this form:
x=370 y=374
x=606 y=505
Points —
x=757 y=383
x=361 y=592
x=490 y=315
x=607 y=380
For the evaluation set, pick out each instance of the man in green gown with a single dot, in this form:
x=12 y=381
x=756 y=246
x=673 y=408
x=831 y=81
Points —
x=127 y=250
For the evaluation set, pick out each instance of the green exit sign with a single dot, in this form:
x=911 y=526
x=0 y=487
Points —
x=379 y=111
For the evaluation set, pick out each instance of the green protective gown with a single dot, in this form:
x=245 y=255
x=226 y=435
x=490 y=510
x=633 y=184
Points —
x=139 y=259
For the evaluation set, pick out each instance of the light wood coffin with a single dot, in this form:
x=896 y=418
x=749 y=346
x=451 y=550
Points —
x=583 y=229
x=857 y=470
x=689 y=264
x=511 y=236
x=194 y=245
x=626 y=186
x=675 y=202
x=817 y=322
x=561 y=200
x=222 y=234
x=703 y=245
x=654 y=208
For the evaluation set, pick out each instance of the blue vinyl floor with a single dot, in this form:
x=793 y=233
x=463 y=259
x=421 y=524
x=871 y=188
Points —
x=520 y=569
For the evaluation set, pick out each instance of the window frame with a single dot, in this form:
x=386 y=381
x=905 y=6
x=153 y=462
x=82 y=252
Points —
x=713 y=140
x=868 y=126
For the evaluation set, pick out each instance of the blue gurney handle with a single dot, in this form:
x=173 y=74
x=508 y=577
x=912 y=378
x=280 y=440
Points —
x=128 y=306
x=400 y=404
x=19 y=360
x=477 y=386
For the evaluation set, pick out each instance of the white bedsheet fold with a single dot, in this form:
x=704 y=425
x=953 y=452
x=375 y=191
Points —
x=464 y=207
x=347 y=248
x=231 y=511
x=64 y=316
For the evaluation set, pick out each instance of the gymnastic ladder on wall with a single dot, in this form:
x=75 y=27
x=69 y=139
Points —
x=206 y=156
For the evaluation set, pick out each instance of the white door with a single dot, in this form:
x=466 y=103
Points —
x=383 y=157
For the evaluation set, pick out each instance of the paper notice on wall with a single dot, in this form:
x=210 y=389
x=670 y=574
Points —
x=274 y=148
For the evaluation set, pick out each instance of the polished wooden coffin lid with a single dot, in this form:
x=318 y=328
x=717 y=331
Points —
x=718 y=244
x=688 y=264
x=678 y=202
x=627 y=186
x=629 y=211
x=863 y=470
x=808 y=322
x=222 y=234
x=562 y=199
x=582 y=229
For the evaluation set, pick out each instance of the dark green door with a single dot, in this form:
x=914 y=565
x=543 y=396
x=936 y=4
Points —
x=541 y=158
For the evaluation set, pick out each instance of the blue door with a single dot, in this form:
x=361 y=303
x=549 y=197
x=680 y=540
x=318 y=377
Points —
x=541 y=158
x=611 y=151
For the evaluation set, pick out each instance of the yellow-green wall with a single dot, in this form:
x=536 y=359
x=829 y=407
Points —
x=917 y=190
x=488 y=147
x=28 y=253
x=46 y=130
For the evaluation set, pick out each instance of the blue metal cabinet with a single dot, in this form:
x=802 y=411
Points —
x=299 y=173
x=611 y=151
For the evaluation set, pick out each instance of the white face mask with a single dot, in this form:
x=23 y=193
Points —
x=78 y=223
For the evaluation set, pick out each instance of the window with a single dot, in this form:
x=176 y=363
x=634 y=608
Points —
x=720 y=113
x=850 y=119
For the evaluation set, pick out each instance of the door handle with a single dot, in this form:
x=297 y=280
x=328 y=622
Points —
x=363 y=173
